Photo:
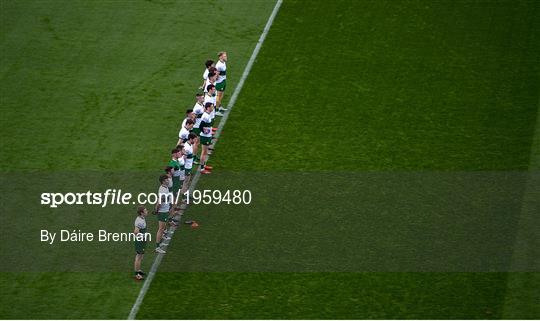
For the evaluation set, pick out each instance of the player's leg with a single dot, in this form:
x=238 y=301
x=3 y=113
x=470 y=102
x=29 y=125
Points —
x=195 y=150
x=219 y=98
x=187 y=180
x=137 y=266
x=220 y=88
x=162 y=224
x=204 y=157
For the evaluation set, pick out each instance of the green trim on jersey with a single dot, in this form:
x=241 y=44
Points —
x=196 y=131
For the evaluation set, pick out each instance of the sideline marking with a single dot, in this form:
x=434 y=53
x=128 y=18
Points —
x=520 y=286
x=159 y=257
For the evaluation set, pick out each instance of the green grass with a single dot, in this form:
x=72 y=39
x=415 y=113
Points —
x=327 y=296
x=383 y=86
x=412 y=85
x=64 y=295
x=93 y=93
x=85 y=84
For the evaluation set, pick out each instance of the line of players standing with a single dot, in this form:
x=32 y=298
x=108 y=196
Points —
x=196 y=132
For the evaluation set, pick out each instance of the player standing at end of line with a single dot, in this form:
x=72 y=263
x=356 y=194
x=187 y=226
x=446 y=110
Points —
x=140 y=245
x=221 y=82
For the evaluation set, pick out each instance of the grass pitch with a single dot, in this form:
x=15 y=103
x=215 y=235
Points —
x=341 y=86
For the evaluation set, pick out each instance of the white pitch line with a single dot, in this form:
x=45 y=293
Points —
x=232 y=101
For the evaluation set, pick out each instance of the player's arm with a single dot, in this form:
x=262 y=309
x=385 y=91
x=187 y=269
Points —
x=136 y=231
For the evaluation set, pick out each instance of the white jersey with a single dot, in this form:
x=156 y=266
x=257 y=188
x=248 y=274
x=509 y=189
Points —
x=140 y=222
x=221 y=68
x=164 y=205
x=206 y=83
x=183 y=134
x=205 y=74
x=206 y=131
x=188 y=154
x=182 y=163
x=198 y=109
x=209 y=99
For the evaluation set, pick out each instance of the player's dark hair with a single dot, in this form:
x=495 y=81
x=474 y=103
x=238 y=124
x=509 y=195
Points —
x=180 y=147
x=174 y=150
x=211 y=74
x=209 y=87
x=192 y=136
x=140 y=209
x=212 y=70
x=163 y=178
x=199 y=94
x=168 y=169
x=189 y=121
x=209 y=63
x=207 y=105
x=189 y=111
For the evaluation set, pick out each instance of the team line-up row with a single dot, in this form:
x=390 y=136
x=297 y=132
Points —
x=196 y=133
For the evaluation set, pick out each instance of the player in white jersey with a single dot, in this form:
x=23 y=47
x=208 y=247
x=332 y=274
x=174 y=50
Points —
x=210 y=95
x=198 y=110
x=163 y=209
x=185 y=131
x=189 y=115
x=206 y=137
x=188 y=159
x=208 y=65
x=221 y=82
x=212 y=77
x=140 y=241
